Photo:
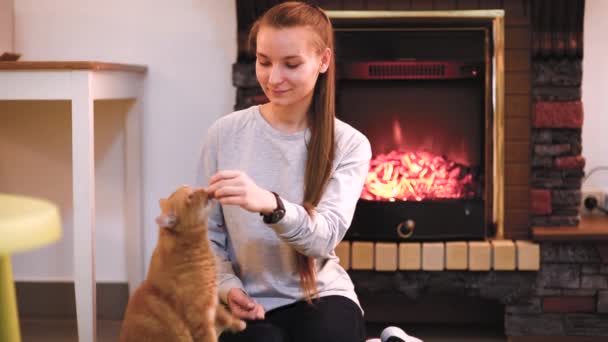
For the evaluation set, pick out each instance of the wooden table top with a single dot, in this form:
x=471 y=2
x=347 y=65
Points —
x=71 y=65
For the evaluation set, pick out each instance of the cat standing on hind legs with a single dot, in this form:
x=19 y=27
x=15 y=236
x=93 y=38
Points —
x=178 y=300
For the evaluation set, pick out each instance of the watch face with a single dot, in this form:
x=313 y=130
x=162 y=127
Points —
x=277 y=215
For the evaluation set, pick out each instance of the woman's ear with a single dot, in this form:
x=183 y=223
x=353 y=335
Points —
x=325 y=59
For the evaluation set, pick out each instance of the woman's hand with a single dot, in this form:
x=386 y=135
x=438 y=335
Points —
x=243 y=307
x=236 y=188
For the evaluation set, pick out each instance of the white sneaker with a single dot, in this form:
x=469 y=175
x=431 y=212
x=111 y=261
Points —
x=394 y=334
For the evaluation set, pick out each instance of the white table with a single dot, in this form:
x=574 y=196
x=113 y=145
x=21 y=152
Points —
x=82 y=83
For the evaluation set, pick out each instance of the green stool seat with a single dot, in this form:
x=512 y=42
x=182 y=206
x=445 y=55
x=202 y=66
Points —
x=25 y=223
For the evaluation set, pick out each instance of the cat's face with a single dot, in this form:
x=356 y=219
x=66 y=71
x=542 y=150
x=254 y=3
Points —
x=184 y=209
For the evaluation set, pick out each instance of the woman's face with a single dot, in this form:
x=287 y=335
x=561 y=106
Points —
x=288 y=64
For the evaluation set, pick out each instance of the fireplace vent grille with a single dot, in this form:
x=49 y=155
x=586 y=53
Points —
x=405 y=70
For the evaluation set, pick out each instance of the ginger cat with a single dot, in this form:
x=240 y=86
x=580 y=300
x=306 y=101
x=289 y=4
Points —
x=178 y=300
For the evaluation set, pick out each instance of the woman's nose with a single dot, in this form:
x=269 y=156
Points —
x=275 y=75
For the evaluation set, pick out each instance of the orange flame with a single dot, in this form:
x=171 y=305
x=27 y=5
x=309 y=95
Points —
x=415 y=176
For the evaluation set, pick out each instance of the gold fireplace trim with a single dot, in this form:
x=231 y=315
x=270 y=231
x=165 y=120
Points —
x=496 y=19
x=468 y=14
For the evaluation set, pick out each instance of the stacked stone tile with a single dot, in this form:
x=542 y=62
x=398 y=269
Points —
x=557 y=163
x=570 y=293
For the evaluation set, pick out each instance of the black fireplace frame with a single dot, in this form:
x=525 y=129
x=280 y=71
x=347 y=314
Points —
x=427 y=220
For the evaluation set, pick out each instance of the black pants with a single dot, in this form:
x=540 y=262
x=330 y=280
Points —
x=328 y=319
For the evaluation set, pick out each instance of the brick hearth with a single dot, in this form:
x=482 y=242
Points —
x=568 y=296
x=497 y=255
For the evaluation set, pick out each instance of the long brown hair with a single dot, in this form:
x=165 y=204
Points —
x=321 y=115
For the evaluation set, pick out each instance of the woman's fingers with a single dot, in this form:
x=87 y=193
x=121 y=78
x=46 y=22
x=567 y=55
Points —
x=236 y=188
x=243 y=307
x=224 y=174
x=259 y=311
x=244 y=312
x=241 y=313
x=226 y=191
x=221 y=184
x=227 y=187
x=238 y=297
x=256 y=313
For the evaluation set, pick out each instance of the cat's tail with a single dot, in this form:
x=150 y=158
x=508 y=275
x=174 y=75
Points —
x=224 y=320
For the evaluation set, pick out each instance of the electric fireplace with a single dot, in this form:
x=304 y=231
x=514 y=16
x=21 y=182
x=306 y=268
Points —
x=422 y=96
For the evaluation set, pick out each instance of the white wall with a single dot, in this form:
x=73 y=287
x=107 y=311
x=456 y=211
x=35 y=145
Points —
x=595 y=92
x=188 y=46
x=6 y=26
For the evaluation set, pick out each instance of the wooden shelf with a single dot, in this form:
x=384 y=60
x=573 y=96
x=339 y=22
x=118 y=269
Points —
x=590 y=228
x=71 y=65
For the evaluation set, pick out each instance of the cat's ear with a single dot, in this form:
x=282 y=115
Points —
x=166 y=220
x=164 y=205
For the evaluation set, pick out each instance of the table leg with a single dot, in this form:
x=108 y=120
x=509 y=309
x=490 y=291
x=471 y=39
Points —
x=9 y=319
x=83 y=168
x=134 y=228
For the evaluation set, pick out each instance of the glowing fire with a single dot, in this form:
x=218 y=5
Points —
x=415 y=176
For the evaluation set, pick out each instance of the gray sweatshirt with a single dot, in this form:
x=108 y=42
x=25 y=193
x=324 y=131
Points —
x=261 y=259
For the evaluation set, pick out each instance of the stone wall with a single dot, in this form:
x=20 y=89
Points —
x=567 y=297
x=570 y=293
x=557 y=163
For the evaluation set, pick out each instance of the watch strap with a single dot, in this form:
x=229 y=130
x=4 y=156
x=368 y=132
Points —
x=277 y=214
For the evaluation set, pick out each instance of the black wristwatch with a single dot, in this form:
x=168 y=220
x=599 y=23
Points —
x=277 y=214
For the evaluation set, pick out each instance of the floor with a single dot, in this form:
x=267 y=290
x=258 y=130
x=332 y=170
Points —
x=108 y=331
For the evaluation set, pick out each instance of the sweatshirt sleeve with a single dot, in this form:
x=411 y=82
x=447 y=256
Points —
x=220 y=244
x=319 y=234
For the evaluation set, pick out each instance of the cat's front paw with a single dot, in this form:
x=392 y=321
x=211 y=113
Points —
x=224 y=320
x=237 y=325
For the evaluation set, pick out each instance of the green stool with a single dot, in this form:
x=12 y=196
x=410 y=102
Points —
x=25 y=223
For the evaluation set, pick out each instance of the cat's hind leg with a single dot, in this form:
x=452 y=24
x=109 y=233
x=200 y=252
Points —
x=149 y=329
x=151 y=318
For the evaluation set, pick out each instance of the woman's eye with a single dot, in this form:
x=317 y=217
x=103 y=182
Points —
x=293 y=66
x=264 y=63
